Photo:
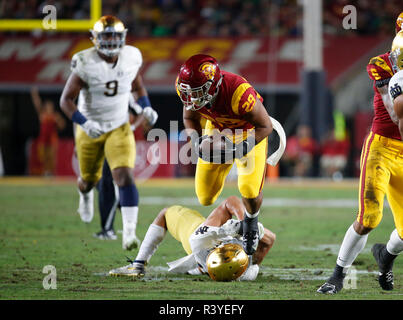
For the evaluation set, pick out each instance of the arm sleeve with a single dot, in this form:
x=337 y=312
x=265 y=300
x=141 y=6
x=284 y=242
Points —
x=396 y=86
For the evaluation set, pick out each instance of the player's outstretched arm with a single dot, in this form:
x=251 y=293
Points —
x=264 y=246
x=229 y=207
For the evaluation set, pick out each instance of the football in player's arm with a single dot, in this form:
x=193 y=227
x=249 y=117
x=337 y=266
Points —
x=203 y=239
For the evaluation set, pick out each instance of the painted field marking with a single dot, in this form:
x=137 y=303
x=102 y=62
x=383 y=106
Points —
x=267 y=202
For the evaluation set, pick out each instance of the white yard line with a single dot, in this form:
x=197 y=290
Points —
x=156 y=273
x=267 y=202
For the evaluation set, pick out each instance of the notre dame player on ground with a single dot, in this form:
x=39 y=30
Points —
x=213 y=245
x=103 y=77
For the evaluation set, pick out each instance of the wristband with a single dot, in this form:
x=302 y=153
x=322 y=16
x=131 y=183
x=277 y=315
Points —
x=78 y=117
x=144 y=102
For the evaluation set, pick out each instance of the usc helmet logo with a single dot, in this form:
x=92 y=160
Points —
x=208 y=69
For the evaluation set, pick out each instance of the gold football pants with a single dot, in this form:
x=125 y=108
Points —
x=210 y=177
x=117 y=146
x=181 y=223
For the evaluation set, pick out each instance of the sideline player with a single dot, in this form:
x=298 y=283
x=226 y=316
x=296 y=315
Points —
x=381 y=173
x=230 y=104
x=199 y=236
x=103 y=77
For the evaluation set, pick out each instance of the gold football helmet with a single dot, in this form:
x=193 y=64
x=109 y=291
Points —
x=396 y=53
x=227 y=262
x=109 y=35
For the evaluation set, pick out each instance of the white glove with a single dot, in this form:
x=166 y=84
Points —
x=261 y=230
x=92 y=129
x=250 y=274
x=151 y=115
x=231 y=227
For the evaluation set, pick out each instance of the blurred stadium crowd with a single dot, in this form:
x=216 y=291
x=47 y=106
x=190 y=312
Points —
x=215 y=17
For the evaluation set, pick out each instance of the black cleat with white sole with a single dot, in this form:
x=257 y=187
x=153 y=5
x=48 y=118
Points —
x=385 y=264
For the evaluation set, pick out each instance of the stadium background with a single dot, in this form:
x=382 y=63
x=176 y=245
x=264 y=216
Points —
x=261 y=40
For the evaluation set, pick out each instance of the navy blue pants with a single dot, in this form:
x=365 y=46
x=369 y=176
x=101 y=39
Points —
x=108 y=198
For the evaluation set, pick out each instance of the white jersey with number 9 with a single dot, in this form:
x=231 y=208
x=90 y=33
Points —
x=105 y=98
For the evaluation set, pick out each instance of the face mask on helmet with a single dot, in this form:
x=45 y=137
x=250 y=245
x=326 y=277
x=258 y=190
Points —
x=109 y=36
x=195 y=98
x=396 y=54
x=396 y=59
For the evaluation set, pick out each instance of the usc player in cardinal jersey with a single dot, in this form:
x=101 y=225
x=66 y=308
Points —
x=231 y=105
x=381 y=174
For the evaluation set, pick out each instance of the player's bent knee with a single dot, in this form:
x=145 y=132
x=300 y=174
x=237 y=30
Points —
x=367 y=222
x=89 y=180
x=160 y=218
x=206 y=201
x=123 y=176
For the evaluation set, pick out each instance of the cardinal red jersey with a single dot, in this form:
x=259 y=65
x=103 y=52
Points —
x=235 y=98
x=379 y=69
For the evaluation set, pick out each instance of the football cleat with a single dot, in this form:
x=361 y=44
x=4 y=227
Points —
x=86 y=206
x=134 y=269
x=250 y=233
x=331 y=286
x=106 y=235
x=385 y=275
x=130 y=240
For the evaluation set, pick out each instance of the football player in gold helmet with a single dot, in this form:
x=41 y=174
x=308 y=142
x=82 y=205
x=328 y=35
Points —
x=104 y=78
x=213 y=245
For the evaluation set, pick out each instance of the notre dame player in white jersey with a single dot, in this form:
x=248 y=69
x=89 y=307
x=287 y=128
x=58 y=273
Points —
x=213 y=244
x=103 y=78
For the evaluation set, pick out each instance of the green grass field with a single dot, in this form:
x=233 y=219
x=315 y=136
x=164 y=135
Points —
x=39 y=226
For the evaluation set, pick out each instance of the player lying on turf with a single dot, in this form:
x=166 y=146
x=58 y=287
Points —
x=213 y=245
